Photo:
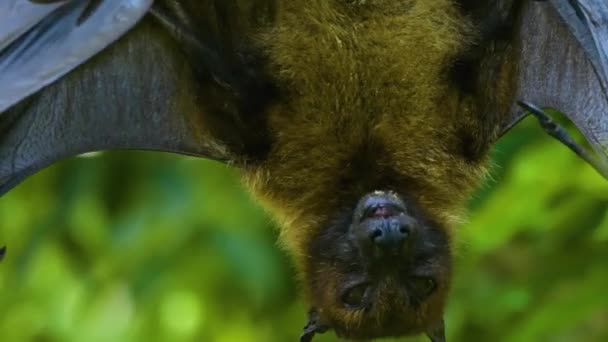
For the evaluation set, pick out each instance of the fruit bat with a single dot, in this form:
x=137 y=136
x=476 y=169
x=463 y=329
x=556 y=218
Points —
x=362 y=125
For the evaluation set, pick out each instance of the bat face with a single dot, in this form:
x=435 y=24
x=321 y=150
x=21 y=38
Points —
x=382 y=271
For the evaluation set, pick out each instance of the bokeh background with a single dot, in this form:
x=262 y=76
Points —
x=134 y=246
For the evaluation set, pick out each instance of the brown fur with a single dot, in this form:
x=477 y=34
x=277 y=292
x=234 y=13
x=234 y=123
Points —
x=368 y=96
x=354 y=82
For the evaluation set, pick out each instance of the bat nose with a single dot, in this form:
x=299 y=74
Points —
x=391 y=232
x=382 y=224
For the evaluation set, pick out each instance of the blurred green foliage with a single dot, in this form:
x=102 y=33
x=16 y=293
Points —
x=133 y=246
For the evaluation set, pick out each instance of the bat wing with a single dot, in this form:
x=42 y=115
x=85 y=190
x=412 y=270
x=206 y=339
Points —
x=40 y=42
x=564 y=63
x=145 y=91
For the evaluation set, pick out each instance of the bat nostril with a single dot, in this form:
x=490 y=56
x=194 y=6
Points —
x=407 y=227
x=405 y=230
x=390 y=233
x=376 y=234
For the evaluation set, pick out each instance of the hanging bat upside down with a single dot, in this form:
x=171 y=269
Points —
x=362 y=125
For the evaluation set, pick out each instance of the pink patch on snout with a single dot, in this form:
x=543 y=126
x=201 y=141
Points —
x=384 y=212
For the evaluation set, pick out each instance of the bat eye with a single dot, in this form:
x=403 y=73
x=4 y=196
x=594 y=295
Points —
x=354 y=297
x=423 y=287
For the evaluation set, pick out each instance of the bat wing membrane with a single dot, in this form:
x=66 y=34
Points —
x=588 y=22
x=564 y=49
x=18 y=16
x=141 y=92
x=42 y=41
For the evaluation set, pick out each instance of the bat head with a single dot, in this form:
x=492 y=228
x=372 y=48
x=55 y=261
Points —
x=383 y=270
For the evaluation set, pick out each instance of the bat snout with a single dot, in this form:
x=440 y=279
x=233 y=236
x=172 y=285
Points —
x=379 y=270
x=382 y=225
x=391 y=233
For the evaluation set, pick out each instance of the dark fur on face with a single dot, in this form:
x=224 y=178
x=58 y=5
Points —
x=363 y=296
